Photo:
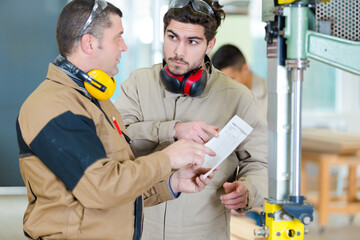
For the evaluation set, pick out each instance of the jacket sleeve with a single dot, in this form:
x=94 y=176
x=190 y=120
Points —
x=158 y=193
x=108 y=183
x=147 y=135
x=252 y=155
x=69 y=147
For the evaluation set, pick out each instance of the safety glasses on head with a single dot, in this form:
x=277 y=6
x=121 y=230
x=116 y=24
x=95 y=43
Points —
x=197 y=5
x=99 y=6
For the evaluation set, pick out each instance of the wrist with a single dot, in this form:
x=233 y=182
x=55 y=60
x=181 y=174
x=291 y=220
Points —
x=174 y=130
x=174 y=183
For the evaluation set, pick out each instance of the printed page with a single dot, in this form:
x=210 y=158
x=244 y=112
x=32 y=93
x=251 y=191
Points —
x=230 y=137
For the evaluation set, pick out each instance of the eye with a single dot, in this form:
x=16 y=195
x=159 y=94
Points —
x=119 y=37
x=193 y=42
x=173 y=37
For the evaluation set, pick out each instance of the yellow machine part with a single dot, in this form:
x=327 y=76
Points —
x=286 y=1
x=282 y=229
x=281 y=2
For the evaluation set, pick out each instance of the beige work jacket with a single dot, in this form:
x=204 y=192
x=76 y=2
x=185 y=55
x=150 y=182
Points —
x=259 y=89
x=150 y=112
x=82 y=179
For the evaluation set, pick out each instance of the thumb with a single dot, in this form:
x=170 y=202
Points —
x=228 y=187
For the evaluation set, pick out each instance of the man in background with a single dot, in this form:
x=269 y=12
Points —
x=230 y=60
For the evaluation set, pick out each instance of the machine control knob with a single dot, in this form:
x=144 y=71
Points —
x=306 y=220
x=263 y=232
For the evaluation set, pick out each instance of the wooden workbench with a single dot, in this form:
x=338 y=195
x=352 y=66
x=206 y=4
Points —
x=330 y=149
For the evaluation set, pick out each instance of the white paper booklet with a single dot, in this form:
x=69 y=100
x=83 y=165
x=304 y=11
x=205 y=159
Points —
x=230 y=137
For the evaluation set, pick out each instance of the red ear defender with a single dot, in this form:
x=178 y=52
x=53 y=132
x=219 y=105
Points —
x=191 y=83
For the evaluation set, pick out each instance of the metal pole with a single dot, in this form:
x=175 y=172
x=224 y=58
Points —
x=297 y=67
x=297 y=83
x=295 y=31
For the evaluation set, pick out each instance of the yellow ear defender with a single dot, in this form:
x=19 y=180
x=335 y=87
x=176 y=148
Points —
x=98 y=84
x=100 y=80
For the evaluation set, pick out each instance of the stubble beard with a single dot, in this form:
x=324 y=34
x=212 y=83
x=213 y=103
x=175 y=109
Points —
x=177 y=70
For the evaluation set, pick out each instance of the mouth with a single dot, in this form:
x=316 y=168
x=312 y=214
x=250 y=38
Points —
x=177 y=61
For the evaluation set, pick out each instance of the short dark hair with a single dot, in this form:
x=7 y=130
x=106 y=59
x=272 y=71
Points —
x=72 y=19
x=188 y=15
x=228 y=55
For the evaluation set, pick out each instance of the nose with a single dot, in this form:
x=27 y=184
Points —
x=180 y=49
x=123 y=47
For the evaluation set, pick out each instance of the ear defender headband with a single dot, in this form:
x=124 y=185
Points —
x=98 y=84
x=191 y=83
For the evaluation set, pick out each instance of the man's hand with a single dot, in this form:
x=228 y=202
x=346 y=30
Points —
x=190 y=179
x=195 y=131
x=236 y=195
x=184 y=152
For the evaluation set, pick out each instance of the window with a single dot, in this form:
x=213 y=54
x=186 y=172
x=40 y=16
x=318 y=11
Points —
x=143 y=34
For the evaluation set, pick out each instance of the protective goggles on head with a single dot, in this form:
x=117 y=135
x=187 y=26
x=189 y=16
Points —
x=99 y=6
x=197 y=5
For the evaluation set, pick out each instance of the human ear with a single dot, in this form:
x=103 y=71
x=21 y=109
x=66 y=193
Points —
x=211 y=45
x=87 y=43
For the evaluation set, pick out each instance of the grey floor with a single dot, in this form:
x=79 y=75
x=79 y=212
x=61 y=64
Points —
x=341 y=226
x=12 y=209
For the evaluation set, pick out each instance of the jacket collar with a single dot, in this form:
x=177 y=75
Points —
x=56 y=74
